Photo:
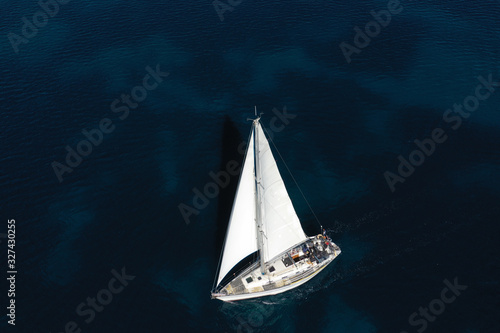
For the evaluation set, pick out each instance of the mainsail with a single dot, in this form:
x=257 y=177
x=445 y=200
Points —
x=280 y=225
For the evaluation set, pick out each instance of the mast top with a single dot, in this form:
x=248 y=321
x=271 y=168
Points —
x=257 y=117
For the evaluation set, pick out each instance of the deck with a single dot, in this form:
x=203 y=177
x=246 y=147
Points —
x=296 y=264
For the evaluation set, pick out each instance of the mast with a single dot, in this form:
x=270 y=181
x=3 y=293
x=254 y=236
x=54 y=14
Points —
x=258 y=199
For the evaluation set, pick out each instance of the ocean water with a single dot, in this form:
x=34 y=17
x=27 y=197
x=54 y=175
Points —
x=116 y=211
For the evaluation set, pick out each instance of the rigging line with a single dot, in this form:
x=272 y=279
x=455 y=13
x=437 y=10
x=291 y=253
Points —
x=218 y=266
x=290 y=172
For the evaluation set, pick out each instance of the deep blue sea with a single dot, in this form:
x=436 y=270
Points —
x=116 y=113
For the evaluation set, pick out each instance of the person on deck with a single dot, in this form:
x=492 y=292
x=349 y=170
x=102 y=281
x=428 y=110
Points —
x=305 y=249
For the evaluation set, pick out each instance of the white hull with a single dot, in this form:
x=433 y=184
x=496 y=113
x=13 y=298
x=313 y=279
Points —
x=283 y=273
x=269 y=292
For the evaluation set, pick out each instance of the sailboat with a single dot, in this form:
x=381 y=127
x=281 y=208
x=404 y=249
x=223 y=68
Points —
x=265 y=234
